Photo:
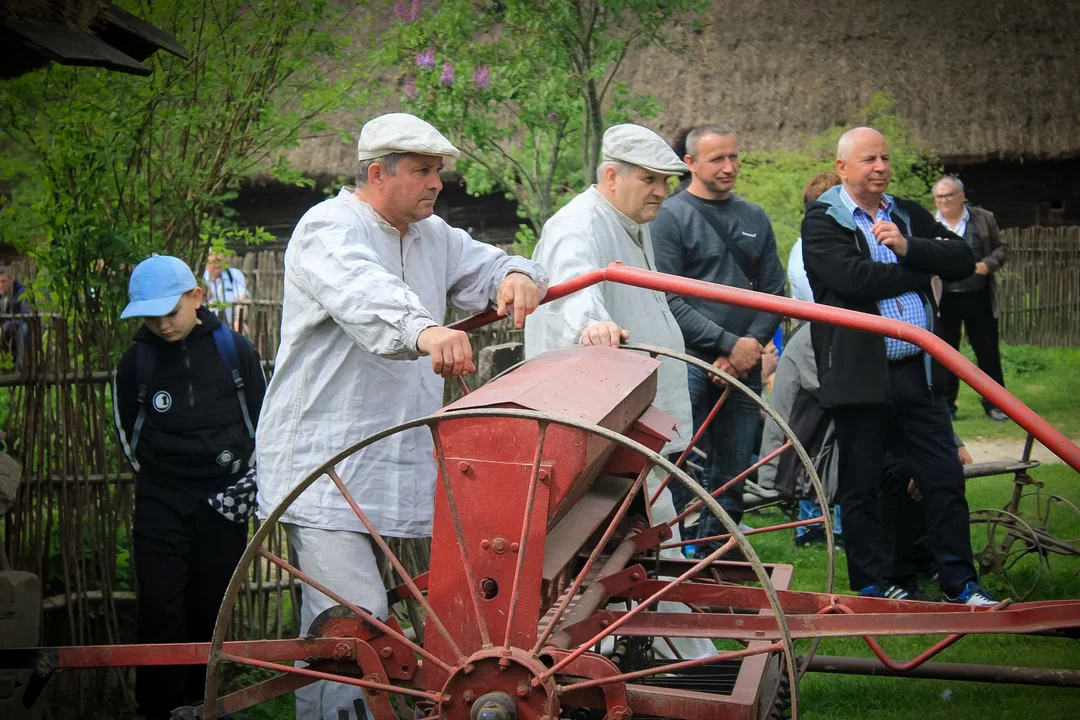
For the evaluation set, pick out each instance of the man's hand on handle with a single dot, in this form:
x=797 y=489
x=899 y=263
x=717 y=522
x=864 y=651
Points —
x=450 y=351
x=520 y=293
x=605 y=333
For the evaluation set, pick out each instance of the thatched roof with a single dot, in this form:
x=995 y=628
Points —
x=974 y=78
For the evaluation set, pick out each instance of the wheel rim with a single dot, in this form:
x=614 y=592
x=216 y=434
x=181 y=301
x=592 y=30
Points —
x=542 y=420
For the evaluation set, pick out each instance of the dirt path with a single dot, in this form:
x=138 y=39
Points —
x=984 y=450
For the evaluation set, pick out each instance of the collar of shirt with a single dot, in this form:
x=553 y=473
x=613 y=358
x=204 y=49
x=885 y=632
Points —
x=961 y=224
x=364 y=210
x=633 y=229
x=886 y=206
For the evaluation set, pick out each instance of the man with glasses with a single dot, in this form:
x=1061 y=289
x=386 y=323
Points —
x=973 y=301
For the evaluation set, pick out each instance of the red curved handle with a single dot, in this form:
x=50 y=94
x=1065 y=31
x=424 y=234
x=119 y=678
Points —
x=963 y=368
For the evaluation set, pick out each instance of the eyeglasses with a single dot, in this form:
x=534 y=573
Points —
x=946 y=196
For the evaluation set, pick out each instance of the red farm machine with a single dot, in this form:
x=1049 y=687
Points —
x=549 y=584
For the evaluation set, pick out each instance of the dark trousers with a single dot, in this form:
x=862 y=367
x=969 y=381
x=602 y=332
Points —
x=185 y=554
x=974 y=311
x=730 y=443
x=903 y=526
x=915 y=426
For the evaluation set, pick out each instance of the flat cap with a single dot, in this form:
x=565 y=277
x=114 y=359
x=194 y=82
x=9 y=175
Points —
x=640 y=146
x=401 y=133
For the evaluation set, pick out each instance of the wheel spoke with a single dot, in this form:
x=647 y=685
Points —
x=698 y=504
x=474 y=587
x=693 y=441
x=584 y=572
x=366 y=684
x=523 y=542
x=754 y=531
x=658 y=595
x=356 y=609
x=671 y=667
x=398 y=567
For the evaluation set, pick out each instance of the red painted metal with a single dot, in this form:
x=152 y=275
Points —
x=698 y=504
x=694 y=441
x=754 y=531
x=979 y=381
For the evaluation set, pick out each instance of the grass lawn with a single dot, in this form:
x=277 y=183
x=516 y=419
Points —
x=829 y=697
x=1046 y=379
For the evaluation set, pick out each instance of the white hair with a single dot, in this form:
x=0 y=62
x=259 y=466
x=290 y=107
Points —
x=954 y=180
x=622 y=169
x=389 y=164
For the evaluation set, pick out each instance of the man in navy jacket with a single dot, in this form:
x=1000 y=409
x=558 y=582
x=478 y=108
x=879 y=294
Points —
x=865 y=250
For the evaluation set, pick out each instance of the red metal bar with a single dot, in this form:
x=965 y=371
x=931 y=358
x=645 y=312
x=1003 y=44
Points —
x=624 y=677
x=92 y=656
x=1018 y=620
x=979 y=381
x=359 y=611
x=405 y=577
x=930 y=652
x=697 y=504
x=608 y=630
x=523 y=542
x=366 y=684
x=584 y=572
x=755 y=531
x=693 y=442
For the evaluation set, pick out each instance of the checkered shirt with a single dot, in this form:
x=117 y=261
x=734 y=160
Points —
x=908 y=307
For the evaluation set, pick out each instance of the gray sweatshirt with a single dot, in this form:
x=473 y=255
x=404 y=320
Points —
x=686 y=245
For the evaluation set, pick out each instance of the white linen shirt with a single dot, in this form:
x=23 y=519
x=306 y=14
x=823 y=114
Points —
x=357 y=296
x=590 y=233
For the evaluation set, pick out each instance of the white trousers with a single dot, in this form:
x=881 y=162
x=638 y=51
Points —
x=663 y=510
x=346 y=563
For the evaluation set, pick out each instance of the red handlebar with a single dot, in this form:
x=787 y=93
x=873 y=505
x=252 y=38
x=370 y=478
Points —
x=979 y=381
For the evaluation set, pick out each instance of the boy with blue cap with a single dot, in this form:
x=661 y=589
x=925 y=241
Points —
x=187 y=395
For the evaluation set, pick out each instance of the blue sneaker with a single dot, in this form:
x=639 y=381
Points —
x=974 y=595
x=891 y=592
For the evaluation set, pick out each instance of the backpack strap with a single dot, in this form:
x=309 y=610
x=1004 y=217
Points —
x=145 y=359
x=226 y=347
x=742 y=259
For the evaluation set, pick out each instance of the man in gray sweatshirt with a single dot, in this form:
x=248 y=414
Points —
x=709 y=233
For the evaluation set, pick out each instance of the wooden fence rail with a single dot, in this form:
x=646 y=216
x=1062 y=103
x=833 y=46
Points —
x=1039 y=287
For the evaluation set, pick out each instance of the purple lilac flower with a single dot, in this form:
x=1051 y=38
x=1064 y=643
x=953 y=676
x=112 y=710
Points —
x=447 y=77
x=426 y=59
x=481 y=77
x=408 y=14
x=410 y=88
x=553 y=117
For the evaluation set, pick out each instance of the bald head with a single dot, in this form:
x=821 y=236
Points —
x=862 y=162
x=852 y=139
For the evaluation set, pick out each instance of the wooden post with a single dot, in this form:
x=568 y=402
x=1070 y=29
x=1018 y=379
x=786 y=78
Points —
x=495 y=359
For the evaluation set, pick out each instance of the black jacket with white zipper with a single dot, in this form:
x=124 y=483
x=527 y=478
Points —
x=194 y=433
x=852 y=365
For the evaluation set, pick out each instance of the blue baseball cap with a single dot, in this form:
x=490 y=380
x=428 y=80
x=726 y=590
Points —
x=156 y=286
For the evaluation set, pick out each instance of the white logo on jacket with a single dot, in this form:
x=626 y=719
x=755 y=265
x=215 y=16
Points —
x=162 y=401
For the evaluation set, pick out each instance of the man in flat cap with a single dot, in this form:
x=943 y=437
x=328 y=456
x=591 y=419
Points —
x=606 y=224
x=368 y=275
x=709 y=233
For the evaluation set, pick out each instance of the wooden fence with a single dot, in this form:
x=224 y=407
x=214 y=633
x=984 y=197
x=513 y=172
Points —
x=1040 y=287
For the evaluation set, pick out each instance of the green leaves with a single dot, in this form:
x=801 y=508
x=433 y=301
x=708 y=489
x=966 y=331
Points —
x=107 y=168
x=532 y=86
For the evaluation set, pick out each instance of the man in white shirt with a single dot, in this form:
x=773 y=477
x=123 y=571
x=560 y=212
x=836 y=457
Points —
x=608 y=223
x=225 y=286
x=368 y=275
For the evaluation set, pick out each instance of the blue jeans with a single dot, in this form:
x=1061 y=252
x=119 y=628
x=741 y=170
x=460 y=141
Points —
x=730 y=443
x=810 y=509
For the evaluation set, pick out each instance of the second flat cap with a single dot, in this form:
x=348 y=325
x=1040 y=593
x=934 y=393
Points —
x=640 y=146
